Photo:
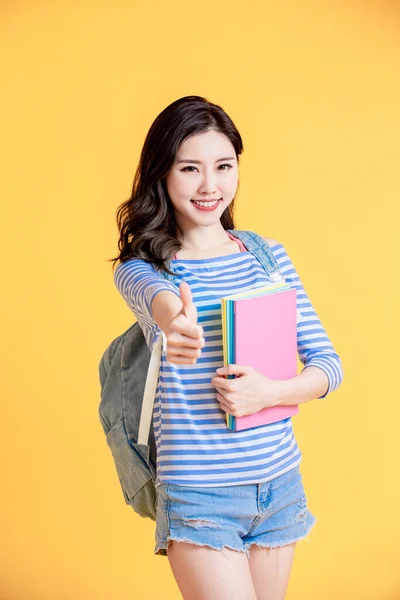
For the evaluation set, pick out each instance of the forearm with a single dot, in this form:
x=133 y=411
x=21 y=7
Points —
x=165 y=306
x=310 y=384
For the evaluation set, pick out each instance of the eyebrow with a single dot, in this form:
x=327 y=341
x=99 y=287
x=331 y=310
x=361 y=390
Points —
x=198 y=162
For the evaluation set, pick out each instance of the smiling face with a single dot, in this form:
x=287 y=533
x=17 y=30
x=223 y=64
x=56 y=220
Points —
x=205 y=169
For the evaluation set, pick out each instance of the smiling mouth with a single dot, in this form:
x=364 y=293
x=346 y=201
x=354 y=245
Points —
x=206 y=201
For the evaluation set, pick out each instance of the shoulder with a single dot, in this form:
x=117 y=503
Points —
x=132 y=269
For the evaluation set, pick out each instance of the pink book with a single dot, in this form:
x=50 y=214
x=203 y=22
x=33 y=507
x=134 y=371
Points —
x=266 y=339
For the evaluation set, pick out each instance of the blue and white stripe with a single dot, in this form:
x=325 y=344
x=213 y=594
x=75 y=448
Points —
x=194 y=444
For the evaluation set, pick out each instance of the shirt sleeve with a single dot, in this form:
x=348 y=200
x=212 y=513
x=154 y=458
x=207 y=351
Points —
x=138 y=283
x=314 y=347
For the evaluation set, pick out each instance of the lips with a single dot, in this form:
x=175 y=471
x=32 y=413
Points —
x=211 y=208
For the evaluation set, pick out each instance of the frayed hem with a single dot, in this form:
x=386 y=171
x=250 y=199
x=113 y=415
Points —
x=161 y=548
x=285 y=542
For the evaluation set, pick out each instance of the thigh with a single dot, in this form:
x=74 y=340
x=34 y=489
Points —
x=207 y=574
x=270 y=570
x=283 y=520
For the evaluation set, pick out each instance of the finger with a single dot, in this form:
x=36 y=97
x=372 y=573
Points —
x=233 y=369
x=176 y=360
x=225 y=407
x=183 y=327
x=176 y=339
x=184 y=352
x=188 y=307
x=225 y=400
x=224 y=384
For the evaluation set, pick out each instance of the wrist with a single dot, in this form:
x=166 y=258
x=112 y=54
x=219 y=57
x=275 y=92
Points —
x=280 y=392
x=311 y=383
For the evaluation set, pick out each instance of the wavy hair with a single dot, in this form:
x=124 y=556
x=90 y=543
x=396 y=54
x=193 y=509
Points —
x=146 y=222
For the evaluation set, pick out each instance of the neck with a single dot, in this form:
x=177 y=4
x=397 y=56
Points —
x=206 y=238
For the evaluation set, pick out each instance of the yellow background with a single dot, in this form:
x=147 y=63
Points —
x=314 y=89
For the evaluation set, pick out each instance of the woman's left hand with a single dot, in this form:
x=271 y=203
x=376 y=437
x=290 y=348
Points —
x=247 y=393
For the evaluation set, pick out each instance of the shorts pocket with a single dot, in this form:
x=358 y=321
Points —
x=134 y=474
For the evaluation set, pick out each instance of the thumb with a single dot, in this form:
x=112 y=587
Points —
x=188 y=307
x=233 y=370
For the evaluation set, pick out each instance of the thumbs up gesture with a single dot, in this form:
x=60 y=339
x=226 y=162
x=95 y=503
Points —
x=184 y=337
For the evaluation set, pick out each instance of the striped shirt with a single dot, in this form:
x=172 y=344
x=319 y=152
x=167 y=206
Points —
x=194 y=445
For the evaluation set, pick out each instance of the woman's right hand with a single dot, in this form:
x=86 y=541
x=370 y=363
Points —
x=184 y=337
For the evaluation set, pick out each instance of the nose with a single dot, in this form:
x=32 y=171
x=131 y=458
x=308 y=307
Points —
x=207 y=186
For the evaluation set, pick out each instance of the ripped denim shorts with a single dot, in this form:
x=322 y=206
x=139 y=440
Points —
x=269 y=514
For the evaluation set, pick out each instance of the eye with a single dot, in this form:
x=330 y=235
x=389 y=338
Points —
x=223 y=165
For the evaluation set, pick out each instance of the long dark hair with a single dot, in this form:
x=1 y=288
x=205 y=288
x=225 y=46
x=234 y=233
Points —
x=146 y=221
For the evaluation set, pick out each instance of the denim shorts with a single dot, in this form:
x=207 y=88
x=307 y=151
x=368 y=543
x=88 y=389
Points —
x=269 y=514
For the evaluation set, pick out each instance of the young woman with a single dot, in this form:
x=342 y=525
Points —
x=230 y=505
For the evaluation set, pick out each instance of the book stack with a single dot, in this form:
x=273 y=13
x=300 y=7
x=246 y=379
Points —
x=259 y=329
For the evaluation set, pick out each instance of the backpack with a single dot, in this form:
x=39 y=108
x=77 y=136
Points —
x=128 y=374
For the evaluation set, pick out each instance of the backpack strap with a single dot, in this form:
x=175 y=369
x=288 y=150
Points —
x=149 y=393
x=260 y=248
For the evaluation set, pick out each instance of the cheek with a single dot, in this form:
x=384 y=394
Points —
x=229 y=183
x=233 y=180
x=179 y=186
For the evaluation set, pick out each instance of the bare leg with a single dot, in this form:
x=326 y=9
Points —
x=203 y=573
x=270 y=569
